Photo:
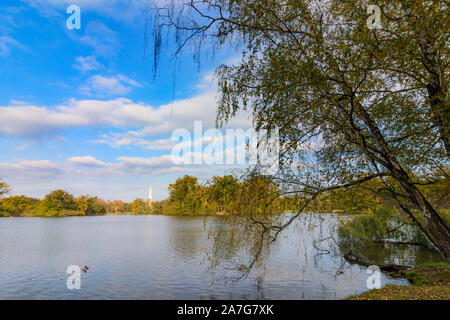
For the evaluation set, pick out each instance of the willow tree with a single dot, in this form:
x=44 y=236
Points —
x=4 y=188
x=352 y=100
x=224 y=191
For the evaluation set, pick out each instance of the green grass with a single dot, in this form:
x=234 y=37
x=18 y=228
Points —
x=429 y=281
x=433 y=274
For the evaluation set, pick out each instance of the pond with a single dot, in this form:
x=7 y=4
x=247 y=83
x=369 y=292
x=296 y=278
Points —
x=163 y=257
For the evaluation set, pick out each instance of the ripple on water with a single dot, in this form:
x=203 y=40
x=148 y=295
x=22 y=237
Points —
x=158 y=257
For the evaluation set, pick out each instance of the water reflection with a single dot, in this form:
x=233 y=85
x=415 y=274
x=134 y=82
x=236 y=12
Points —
x=158 y=257
x=185 y=237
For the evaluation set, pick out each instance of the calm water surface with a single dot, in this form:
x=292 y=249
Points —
x=160 y=257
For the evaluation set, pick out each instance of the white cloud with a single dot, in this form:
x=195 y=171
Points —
x=119 y=10
x=89 y=161
x=59 y=138
x=88 y=166
x=8 y=19
x=162 y=165
x=135 y=162
x=6 y=43
x=160 y=144
x=128 y=80
x=35 y=121
x=18 y=102
x=134 y=138
x=108 y=86
x=86 y=64
x=179 y=114
x=40 y=168
x=22 y=147
x=104 y=40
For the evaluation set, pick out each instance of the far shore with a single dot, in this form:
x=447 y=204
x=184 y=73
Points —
x=218 y=214
x=70 y=215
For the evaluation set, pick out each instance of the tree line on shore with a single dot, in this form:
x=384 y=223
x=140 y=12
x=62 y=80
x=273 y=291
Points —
x=60 y=203
x=187 y=196
x=220 y=195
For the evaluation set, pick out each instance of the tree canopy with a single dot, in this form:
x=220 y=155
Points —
x=139 y=206
x=4 y=188
x=17 y=205
x=351 y=103
x=224 y=190
x=56 y=202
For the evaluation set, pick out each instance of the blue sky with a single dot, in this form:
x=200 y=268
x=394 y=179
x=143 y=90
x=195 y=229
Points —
x=80 y=109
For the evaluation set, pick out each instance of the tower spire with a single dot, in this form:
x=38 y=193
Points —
x=150 y=196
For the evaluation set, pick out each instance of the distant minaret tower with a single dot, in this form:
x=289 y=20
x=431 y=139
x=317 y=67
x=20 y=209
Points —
x=150 y=197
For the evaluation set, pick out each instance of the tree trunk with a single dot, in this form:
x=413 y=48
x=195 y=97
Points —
x=392 y=269
x=436 y=226
x=437 y=85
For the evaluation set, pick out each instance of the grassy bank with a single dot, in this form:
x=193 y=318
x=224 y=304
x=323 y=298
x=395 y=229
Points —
x=428 y=282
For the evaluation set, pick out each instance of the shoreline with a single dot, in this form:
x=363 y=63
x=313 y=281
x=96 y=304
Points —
x=428 y=281
x=219 y=214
